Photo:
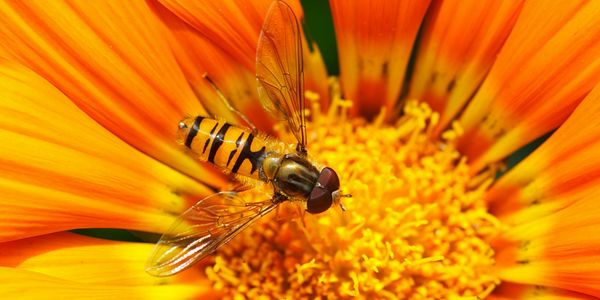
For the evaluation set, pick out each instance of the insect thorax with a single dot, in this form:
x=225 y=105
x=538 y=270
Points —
x=291 y=175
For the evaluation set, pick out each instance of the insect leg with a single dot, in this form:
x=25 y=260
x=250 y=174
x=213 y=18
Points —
x=229 y=105
x=302 y=213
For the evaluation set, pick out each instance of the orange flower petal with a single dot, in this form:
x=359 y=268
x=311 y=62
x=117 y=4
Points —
x=82 y=259
x=315 y=73
x=458 y=46
x=559 y=250
x=565 y=162
x=550 y=199
x=197 y=57
x=61 y=170
x=511 y=291
x=375 y=40
x=21 y=284
x=234 y=27
x=112 y=61
x=548 y=64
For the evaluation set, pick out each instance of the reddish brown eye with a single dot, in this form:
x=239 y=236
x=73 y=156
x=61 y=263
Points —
x=329 y=179
x=319 y=201
x=321 y=198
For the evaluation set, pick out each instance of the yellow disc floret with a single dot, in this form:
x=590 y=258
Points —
x=416 y=227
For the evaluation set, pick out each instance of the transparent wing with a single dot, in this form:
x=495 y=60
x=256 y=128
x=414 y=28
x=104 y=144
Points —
x=203 y=228
x=279 y=68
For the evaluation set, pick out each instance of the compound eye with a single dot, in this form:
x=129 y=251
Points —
x=319 y=200
x=328 y=179
x=321 y=197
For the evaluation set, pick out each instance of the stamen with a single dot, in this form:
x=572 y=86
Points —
x=415 y=225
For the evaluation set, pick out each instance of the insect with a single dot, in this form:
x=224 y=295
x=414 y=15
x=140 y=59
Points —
x=215 y=220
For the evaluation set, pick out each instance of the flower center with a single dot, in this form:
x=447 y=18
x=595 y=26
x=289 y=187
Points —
x=416 y=227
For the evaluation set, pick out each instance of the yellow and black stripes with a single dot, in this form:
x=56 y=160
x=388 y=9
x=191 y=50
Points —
x=193 y=131
x=233 y=148
x=218 y=141
x=254 y=157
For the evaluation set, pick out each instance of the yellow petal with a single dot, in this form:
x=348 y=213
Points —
x=567 y=161
x=112 y=60
x=375 y=40
x=549 y=63
x=62 y=170
x=21 y=284
x=83 y=259
x=458 y=46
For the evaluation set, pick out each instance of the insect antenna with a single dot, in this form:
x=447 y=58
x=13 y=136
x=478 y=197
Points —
x=337 y=196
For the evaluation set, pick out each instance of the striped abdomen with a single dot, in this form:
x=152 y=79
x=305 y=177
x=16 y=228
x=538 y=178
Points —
x=225 y=145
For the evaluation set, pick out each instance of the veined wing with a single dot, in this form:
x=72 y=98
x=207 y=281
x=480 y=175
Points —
x=279 y=68
x=203 y=228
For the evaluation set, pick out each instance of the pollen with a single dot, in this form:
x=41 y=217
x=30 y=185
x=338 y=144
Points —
x=416 y=226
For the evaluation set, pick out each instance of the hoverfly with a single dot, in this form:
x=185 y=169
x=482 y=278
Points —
x=216 y=219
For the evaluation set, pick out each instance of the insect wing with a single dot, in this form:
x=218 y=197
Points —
x=279 y=68
x=203 y=228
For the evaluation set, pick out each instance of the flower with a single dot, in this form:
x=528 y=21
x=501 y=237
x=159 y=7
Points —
x=92 y=91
